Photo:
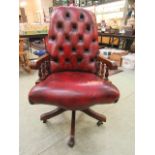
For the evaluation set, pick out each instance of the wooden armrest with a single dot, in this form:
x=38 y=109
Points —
x=111 y=64
x=37 y=64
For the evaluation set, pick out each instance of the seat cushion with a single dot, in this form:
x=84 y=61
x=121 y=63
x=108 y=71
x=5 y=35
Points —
x=73 y=90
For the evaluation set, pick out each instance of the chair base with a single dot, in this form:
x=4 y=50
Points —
x=101 y=118
x=44 y=117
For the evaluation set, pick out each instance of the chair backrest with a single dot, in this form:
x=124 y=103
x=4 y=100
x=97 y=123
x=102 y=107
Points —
x=72 y=40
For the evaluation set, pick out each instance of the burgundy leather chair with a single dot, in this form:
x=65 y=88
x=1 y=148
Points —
x=73 y=76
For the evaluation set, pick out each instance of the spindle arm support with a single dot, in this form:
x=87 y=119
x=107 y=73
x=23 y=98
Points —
x=104 y=65
x=111 y=65
x=36 y=65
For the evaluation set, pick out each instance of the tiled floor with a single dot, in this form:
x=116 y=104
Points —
x=115 y=137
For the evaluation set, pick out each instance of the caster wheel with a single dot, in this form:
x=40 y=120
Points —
x=99 y=123
x=44 y=121
x=71 y=142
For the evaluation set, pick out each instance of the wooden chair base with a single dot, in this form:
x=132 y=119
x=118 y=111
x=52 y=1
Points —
x=51 y=114
x=101 y=118
x=95 y=115
x=71 y=141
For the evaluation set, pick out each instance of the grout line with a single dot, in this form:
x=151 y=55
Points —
x=128 y=96
x=50 y=146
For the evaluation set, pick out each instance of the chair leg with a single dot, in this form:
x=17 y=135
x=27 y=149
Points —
x=71 y=141
x=95 y=115
x=51 y=114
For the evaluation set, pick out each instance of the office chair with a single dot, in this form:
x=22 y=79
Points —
x=72 y=75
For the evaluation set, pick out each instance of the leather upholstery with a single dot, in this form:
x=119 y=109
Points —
x=73 y=47
x=72 y=40
x=74 y=90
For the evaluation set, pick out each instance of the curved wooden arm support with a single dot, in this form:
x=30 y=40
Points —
x=43 y=66
x=111 y=65
x=104 y=65
x=36 y=65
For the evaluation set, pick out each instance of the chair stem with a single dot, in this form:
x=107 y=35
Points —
x=71 y=141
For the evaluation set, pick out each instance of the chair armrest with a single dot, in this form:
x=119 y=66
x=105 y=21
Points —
x=37 y=64
x=111 y=64
x=43 y=65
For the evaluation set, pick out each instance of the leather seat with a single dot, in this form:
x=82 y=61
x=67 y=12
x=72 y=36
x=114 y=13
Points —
x=74 y=90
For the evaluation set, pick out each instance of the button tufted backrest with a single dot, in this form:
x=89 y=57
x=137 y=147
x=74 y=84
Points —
x=72 y=40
